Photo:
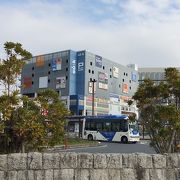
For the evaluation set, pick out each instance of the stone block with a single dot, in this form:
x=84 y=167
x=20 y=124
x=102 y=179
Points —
x=100 y=161
x=67 y=174
x=128 y=174
x=114 y=161
x=129 y=160
x=39 y=175
x=2 y=175
x=85 y=160
x=17 y=161
x=114 y=174
x=177 y=173
x=51 y=160
x=12 y=175
x=144 y=160
x=173 y=160
x=30 y=174
x=3 y=162
x=157 y=174
x=82 y=174
x=99 y=174
x=68 y=160
x=170 y=174
x=35 y=160
x=159 y=161
x=142 y=174
x=22 y=175
x=48 y=175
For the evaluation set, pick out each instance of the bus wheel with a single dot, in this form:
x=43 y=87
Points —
x=124 y=139
x=90 y=137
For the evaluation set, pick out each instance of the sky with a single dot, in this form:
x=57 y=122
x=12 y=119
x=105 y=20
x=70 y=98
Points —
x=142 y=32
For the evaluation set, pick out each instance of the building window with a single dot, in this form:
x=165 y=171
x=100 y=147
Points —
x=66 y=77
x=91 y=79
x=103 y=67
x=33 y=75
x=91 y=63
x=129 y=81
x=49 y=64
x=119 y=86
x=48 y=80
x=123 y=80
x=92 y=72
x=66 y=60
x=130 y=87
x=33 y=68
x=32 y=82
x=49 y=72
x=66 y=69
x=126 y=74
x=110 y=70
x=110 y=76
x=89 y=71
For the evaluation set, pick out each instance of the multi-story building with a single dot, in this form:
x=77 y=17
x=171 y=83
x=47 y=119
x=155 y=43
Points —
x=155 y=74
x=72 y=74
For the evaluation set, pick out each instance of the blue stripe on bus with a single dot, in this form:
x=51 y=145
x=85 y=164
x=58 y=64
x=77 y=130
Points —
x=108 y=135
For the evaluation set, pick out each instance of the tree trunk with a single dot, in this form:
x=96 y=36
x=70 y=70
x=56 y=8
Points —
x=171 y=144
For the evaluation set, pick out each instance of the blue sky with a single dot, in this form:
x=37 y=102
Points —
x=144 y=32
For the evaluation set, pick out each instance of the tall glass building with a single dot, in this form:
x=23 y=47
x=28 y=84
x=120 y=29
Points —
x=72 y=73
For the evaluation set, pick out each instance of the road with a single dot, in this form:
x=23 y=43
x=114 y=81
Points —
x=107 y=147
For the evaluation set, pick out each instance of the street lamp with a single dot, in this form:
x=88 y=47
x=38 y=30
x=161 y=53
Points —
x=93 y=92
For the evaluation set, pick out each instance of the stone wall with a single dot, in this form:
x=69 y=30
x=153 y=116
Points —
x=84 y=166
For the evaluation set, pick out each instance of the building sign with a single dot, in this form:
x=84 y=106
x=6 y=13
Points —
x=27 y=82
x=56 y=64
x=133 y=76
x=103 y=80
x=80 y=66
x=125 y=88
x=43 y=82
x=114 y=98
x=91 y=87
x=60 y=82
x=98 y=61
x=73 y=66
x=39 y=61
x=115 y=72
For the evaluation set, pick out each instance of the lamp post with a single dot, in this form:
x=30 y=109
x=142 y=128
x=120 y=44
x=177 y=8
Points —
x=93 y=92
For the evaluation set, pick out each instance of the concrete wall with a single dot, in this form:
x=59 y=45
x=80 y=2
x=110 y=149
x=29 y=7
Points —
x=84 y=166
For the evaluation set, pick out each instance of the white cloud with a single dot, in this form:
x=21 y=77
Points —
x=144 y=36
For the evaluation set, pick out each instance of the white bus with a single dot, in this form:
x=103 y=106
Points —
x=110 y=128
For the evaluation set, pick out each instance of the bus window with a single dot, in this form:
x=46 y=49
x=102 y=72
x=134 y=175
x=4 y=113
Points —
x=115 y=126
x=93 y=126
x=107 y=126
x=124 y=126
x=87 y=126
x=99 y=126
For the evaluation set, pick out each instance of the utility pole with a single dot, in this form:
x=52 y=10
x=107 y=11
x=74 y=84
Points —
x=93 y=92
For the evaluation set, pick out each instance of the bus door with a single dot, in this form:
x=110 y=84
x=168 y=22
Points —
x=104 y=128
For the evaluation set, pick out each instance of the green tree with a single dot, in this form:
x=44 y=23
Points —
x=11 y=67
x=56 y=115
x=23 y=124
x=161 y=121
